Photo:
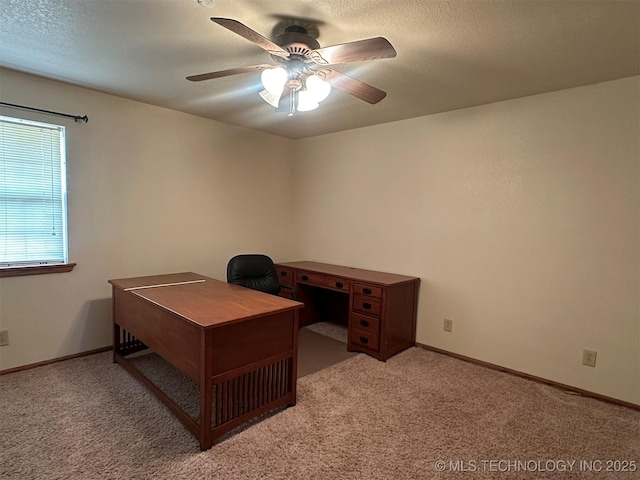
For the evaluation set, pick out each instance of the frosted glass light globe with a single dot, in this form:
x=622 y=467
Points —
x=306 y=101
x=319 y=89
x=273 y=80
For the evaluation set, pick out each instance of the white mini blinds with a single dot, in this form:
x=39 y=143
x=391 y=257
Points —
x=33 y=210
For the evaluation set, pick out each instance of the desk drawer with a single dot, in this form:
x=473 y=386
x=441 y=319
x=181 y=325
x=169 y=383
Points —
x=360 y=289
x=286 y=293
x=368 y=324
x=364 y=338
x=369 y=305
x=323 y=280
x=285 y=276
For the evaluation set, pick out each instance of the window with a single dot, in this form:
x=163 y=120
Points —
x=33 y=210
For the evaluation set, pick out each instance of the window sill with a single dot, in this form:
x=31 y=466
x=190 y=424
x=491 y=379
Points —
x=36 y=269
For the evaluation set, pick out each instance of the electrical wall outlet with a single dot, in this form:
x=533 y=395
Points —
x=589 y=358
x=448 y=325
x=4 y=338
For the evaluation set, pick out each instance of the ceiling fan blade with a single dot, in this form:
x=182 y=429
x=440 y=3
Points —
x=251 y=35
x=226 y=73
x=354 y=87
x=368 y=49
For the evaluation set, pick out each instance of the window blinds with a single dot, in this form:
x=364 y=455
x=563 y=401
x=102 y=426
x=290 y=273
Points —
x=32 y=193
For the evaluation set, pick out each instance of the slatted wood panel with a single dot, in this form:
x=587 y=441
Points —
x=249 y=391
x=129 y=344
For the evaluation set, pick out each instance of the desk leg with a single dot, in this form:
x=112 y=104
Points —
x=293 y=371
x=116 y=340
x=116 y=327
x=206 y=440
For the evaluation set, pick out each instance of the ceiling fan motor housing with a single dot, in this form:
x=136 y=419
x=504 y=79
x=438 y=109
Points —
x=297 y=41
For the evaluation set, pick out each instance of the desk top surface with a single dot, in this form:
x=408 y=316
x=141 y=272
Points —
x=202 y=300
x=356 y=274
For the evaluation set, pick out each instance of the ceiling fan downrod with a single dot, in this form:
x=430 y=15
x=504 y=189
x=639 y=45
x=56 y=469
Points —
x=294 y=85
x=292 y=102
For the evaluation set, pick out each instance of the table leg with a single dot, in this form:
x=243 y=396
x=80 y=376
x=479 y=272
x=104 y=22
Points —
x=206 y=440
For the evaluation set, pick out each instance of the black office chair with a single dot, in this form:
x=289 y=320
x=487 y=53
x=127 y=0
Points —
x=257 y=272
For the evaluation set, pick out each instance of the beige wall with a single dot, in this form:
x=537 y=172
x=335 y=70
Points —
x=521 y=218
x=150 y=191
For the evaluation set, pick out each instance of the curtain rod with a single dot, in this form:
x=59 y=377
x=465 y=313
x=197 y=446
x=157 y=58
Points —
x=76 y=118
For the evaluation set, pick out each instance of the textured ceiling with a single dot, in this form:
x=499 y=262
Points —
x=451 y=54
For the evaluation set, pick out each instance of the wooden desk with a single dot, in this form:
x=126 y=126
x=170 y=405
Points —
x=380 y=309
x=239 y=345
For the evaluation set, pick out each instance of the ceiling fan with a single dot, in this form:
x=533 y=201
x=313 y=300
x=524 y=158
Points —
x=303 y=76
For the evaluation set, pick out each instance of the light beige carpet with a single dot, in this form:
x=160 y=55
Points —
x=358 y=419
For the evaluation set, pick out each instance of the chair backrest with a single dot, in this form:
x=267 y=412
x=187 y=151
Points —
x=254 y=271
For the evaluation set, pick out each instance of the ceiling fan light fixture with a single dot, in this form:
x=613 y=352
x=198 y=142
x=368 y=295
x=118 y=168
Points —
x=306 y=102
x=273 y=80
x=271 y=98
x=317 y=88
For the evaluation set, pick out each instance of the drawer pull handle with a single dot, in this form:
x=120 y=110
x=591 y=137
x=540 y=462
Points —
x=364 y=340
x=364 y=323
x=366 y=291
x=339 y=285
x=366 y=306
x=305 y=278
x=283 y=274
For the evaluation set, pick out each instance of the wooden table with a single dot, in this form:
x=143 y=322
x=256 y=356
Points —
x=239 y=345
x=379 y=308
